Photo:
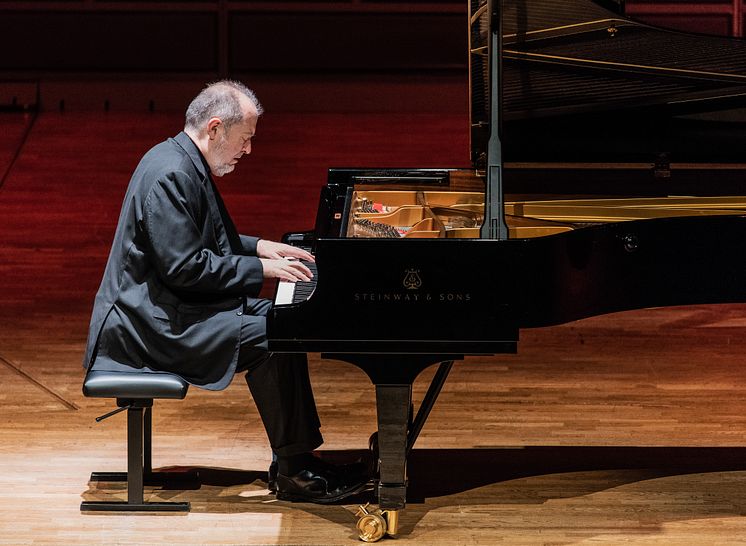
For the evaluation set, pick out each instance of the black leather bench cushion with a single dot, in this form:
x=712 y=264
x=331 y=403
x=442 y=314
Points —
x=103 y=384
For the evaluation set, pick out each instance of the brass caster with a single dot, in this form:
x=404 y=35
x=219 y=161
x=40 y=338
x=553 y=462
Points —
x=371 y=526
x=392 y=522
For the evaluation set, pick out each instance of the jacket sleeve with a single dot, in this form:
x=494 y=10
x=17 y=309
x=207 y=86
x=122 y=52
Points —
x=173 y=212
x=249 y=244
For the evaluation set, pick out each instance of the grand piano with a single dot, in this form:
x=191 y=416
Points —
x=607 y=166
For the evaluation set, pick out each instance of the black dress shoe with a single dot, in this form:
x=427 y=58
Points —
x=349 y=472
x=319 y=485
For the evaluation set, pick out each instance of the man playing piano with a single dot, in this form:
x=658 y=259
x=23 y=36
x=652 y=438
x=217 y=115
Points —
x=179 y=293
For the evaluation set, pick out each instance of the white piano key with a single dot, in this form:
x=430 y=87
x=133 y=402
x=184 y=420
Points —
x=285 y=291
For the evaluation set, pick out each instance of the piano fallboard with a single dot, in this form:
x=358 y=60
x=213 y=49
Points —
x=382 y=296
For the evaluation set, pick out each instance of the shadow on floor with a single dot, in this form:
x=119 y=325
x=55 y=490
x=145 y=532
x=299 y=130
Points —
x=442 y=472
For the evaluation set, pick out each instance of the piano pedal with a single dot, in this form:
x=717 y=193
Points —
x=374 y=525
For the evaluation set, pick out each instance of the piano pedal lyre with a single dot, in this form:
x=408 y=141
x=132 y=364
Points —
x=374 y=525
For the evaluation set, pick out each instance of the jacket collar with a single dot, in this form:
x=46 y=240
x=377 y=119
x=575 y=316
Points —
x=183 y=140
x=227 y=236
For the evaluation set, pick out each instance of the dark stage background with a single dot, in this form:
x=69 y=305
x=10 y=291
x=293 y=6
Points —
x=341 y=55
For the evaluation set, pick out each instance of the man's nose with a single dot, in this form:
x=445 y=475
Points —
x=246 y=148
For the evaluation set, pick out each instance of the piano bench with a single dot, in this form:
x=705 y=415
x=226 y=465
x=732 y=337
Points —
x=135 y=392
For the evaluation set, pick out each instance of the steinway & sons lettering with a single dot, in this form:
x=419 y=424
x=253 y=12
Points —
x=411 y=297
x=412 y=283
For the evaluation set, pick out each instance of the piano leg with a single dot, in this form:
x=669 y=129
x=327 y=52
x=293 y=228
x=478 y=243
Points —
x=393 y=403
x=393 y=375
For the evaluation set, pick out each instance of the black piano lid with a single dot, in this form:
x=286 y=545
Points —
x=576 y=63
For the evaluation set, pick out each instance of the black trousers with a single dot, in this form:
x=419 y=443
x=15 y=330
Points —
x=280 y=386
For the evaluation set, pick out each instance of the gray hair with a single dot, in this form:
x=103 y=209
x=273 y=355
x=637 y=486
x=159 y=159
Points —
x=219 y=100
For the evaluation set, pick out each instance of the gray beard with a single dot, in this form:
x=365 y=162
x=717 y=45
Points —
x=223 y=169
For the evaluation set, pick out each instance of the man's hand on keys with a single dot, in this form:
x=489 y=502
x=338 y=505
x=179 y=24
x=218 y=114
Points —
x=286 y=269
x=274 y=251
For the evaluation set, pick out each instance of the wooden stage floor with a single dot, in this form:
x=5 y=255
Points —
x=625 y=428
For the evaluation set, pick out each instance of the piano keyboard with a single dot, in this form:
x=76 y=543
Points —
x=296 y=292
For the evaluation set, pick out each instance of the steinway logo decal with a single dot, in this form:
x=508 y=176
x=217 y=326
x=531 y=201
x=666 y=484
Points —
x=412 y=283
x=412 y=280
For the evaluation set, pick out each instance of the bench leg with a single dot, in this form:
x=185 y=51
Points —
x=148 y=441
x=135 y=456
x=139 y=430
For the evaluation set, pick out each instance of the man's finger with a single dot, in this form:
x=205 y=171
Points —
x=295 y=252
x=303 y=268
x=305 y=255
x=295 y=271
x=291 y=275
x=292 y=270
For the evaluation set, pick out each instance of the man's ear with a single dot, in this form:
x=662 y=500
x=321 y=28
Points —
x=212 y=127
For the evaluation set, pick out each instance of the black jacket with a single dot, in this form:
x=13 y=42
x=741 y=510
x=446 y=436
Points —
x=175 y=286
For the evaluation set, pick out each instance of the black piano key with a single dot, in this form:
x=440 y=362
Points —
x=304 y=289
